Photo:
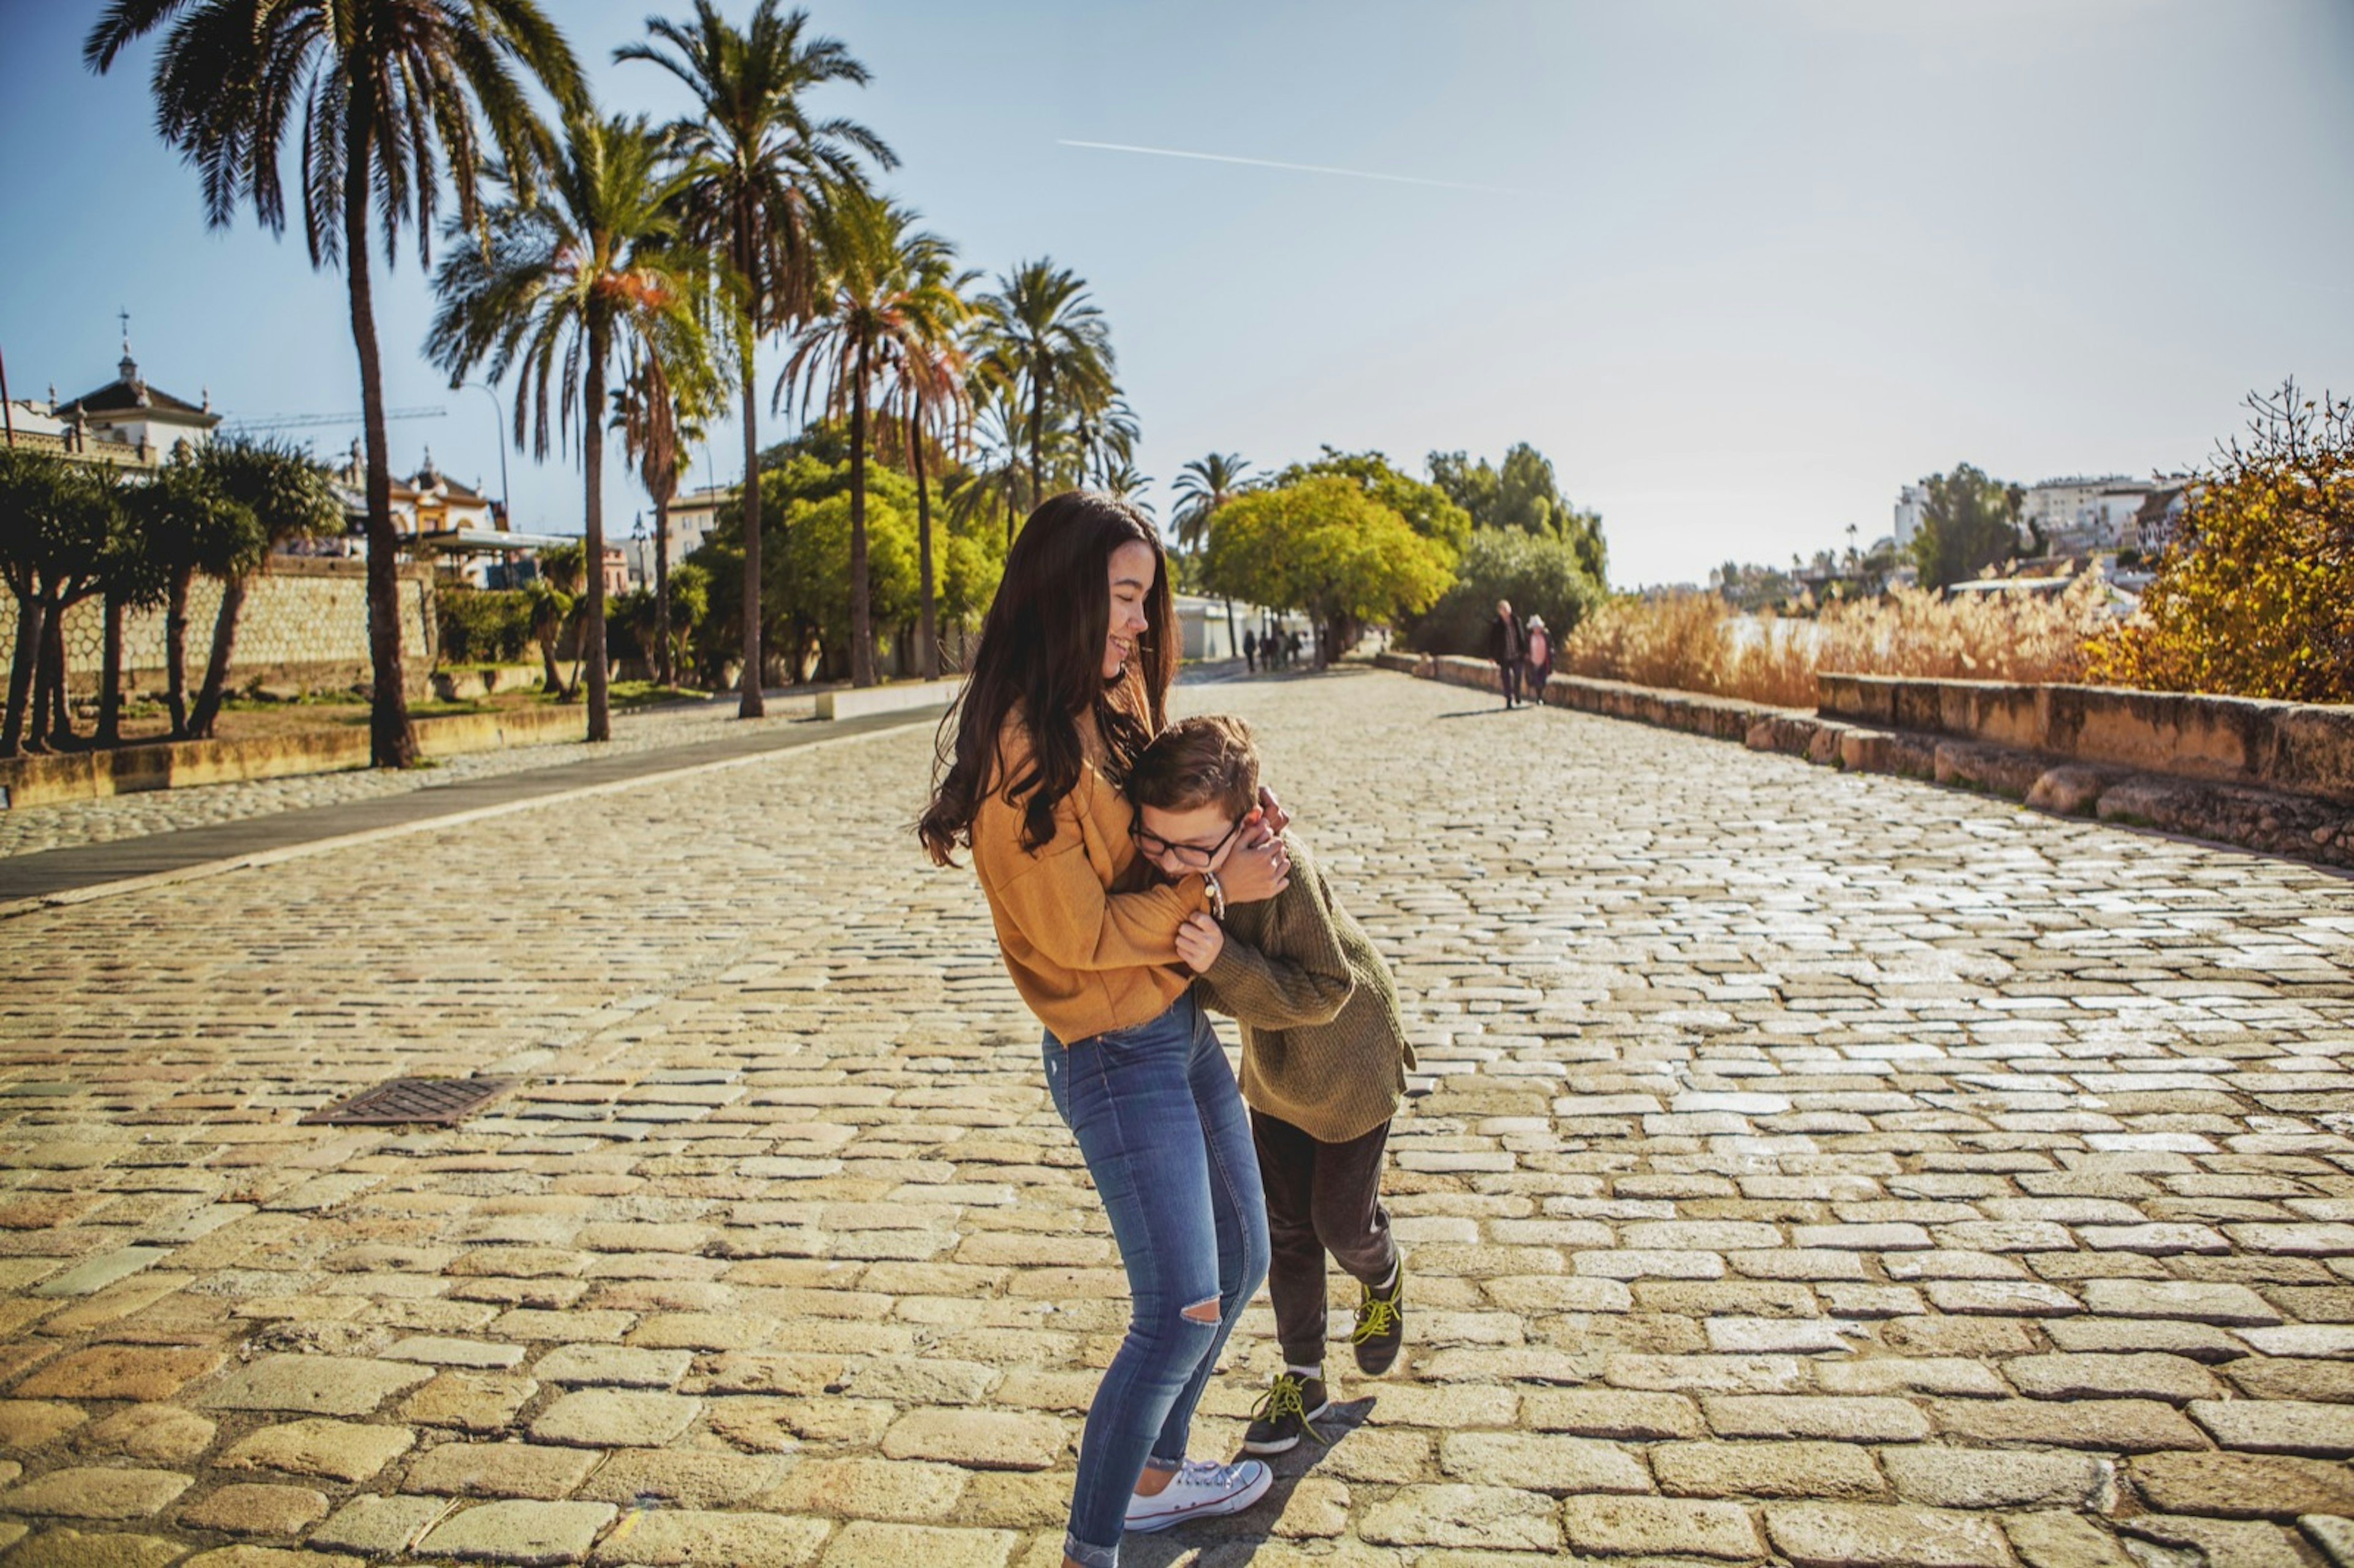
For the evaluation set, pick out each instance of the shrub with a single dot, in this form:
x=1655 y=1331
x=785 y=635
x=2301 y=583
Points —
x=2256 y=598
x=482 y=626
x=1540 y=573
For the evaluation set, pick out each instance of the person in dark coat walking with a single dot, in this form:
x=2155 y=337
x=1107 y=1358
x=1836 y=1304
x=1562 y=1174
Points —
x=1250 y=650
x=1507 y=647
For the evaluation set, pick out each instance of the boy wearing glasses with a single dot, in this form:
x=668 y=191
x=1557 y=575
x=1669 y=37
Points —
x=1324 y=1059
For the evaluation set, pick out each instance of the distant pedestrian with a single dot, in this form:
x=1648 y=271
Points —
x=1250 y=650
x=1507 y=647
x=1292 y=648
x=1539 y=657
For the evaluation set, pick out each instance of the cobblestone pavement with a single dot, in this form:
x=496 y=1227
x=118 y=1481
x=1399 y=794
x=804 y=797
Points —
x=1821 y=1168
x=117 y=816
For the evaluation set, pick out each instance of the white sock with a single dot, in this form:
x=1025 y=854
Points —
x=1316 y=1371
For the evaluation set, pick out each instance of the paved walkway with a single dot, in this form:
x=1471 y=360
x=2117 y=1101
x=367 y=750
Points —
x=1822 y=1168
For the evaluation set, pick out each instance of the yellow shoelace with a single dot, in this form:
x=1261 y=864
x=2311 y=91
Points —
x=1284 y=1398
x=1376 y=1315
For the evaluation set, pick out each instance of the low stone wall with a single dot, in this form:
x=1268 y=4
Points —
x=2270 y=777
x=168 y=765
x=304 y=624
x=2296 y=748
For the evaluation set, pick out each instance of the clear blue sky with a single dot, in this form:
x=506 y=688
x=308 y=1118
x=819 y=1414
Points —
x=1755 y=263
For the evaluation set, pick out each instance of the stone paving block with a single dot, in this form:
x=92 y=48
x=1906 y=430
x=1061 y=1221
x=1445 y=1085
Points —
x=2174 y=1378
x=530 y=1534
x=1622 y=1416
x=254 y=1508
x=2240 y=1544
x=323 y=1385
x=1997 y=1479
x=2121 y=1336
x=2124 y=1425
x=84 y=1492
x=2278 y=1426
x=613 y=1366
x=2333 y=1341
x=161 y=1434
x=674 y=1538
x=2242 y=1486
x=1661 y=1527
x=476 y=1402
x=2333 y=1534
x=867 y=1545
x=685 y=1478
x=527 y=1471
x=1767 y=1469
x=1496 y=1518
x=2064 y=1540
x=67 y=1548
x=1867 y=1535
x=143 y=1372
x=898 y=1490
x=604 y=1419
x=2195 y=1300
x=379 y=1526
x=978 y=1439
x=1845 y=1418
x=437 y=1350
x=339 y=1450
x=30 y=1422
x=1547 y=1464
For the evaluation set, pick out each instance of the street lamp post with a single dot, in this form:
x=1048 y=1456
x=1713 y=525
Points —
x=506 y=499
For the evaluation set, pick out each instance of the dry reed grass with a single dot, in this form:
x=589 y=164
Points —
x=1695 y=642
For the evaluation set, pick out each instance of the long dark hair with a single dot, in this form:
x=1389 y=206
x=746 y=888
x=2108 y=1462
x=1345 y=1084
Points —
x=1041 y=658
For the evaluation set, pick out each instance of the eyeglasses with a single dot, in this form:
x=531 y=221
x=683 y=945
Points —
x=1187 y=855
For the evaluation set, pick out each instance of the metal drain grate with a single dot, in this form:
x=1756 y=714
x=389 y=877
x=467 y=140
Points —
x=438 y=1101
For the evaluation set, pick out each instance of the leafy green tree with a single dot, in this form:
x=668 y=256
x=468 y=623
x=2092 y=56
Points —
x=1324 y=544
x=760 y=169
x=888 y=305
x=660 y=408
x=1040 y=332
x=566 y=280
x=393 y=98
x=188 y=523
x=1969 y=523
x=1427 y=509
x=289 y=495
x=1542 y=574
x=60 y=525
x=554 y=593
x=1523 y=494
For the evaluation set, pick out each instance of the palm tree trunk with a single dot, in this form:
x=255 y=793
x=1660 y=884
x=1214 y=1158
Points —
x=592 y=465
x=21 y=664
x=927 y=628
x=1038 y=444
x=175 y=650
x=392 y=743
x=110 y=679
x=208 y=696
x=662 y=670
x=862 y=607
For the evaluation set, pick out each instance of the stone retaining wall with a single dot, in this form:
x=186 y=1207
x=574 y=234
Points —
x=305 y=623
x=2299 y=748
x=2273 y=776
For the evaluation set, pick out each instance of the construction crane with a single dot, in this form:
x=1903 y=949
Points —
x=313 y=421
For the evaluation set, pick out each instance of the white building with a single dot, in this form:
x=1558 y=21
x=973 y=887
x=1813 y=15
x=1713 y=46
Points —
x=692 y=514
x=1910 y=500
x=125 y=422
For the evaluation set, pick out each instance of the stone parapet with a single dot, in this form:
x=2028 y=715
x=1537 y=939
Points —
x=167 y=764
x=2300 y=748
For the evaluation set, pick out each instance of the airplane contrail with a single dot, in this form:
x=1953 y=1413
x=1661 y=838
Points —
x=1273 y=163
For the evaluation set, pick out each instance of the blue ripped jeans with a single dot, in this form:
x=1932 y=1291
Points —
x=1161 y=1126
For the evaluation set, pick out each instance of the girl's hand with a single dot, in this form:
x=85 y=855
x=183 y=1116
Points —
x=1256 y=871
x=1200 y=940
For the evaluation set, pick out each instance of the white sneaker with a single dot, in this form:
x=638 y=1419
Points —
x=1200 y=1490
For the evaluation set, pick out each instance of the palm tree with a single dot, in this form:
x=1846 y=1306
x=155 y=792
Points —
x=660 y=408
x=390 y=96
x=1203 y=486
x=930 y=383
x=891 y=311
x=760 y=170
x=1041 y=332
x=593 y=265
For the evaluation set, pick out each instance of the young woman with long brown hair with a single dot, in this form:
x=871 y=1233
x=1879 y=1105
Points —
x=1070 y=682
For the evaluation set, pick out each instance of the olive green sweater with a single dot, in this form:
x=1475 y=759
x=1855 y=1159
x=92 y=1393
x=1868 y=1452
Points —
x=1323 y=1047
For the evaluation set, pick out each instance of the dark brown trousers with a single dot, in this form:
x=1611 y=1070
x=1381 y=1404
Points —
x=1320 y=1198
